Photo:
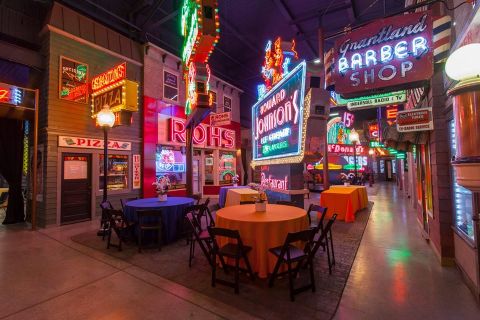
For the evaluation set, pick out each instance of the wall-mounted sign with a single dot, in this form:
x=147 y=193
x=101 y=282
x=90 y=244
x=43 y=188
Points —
x=376 y=144
x=394 y=52
x=415 y=120
x=203 y=135
x=220 y=119
x=345 y=149
x=391 y=114
x=277 y=120
x=373 y=131
x=282 y=177
x=136 y=179
x=17 y=96
x=73 y=80
x=109 y=77
x=90 y=143
x=121 y=96
x=372 y=102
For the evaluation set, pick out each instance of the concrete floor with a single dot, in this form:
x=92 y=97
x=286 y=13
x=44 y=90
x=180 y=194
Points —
x=44 y=275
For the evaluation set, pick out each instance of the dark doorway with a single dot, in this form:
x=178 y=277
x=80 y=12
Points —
x=388 y=170
x=76 y=188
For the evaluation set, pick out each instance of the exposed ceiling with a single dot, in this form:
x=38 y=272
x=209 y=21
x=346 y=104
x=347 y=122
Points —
x=245 y=26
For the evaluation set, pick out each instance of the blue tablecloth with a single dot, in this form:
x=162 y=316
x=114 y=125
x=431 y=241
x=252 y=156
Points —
x=222 y=196
x=172 y=213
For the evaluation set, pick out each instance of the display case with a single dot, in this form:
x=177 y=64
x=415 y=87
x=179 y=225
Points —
x=462 y=197
x=171 y=162
x=117 y=172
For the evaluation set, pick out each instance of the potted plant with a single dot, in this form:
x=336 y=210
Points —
x=235 y=180
x=347 y=179
x=162 y=184
x=261 y=200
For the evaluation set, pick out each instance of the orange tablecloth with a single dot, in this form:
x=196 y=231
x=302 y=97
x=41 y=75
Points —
x=234 y=196
x=344 y=201
x=262 y=230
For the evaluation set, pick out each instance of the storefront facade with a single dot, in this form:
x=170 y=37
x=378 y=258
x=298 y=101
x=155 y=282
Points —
x=217 y=141
x=78 y=49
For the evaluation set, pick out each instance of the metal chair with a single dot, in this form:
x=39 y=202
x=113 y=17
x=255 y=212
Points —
x=124 y=201
x=322 y=241
x=149 y=220
x=104 y=221
x=120 y=225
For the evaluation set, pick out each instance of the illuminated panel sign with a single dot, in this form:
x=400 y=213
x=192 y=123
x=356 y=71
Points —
x=109 y=77
x=373 y=131
x=376 y=144
x=388 y=53
x=73 y=80
x=278 y=119
x=371 y=101
x=391 y=114
x=415 y=120
x=198 y=88
x=120 y=96
x=202 y=134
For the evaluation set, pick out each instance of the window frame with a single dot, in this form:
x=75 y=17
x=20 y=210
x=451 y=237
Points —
x=176 y=74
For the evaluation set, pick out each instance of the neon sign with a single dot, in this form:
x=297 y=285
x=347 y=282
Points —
x=371 y=101
x=271 y=182
x=342 y=148
x=387 y=53
x=109 y=77
x=276 y=64
x=11 y=95
x=279 y=118
x=202 y=134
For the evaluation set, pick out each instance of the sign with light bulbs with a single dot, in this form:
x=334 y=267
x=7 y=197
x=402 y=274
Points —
x=394 y=52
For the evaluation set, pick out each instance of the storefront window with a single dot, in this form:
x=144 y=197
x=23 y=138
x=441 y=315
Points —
x=170 y=86
x=462 y=198
x=117 y=172
x=209 y=165
x=227 y=104
x=171 y=162
x=226 y=167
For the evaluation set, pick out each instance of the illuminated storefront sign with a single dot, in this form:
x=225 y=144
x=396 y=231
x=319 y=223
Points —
x=415 y=120
x=371 y=101
x=342 y=148
x=391 y=114
x=208 y=136
x=278 y=119
x=376 y=144
x=73 y=80
x=89 y=143
x=362 y=161
x=337 y=131
x=111 y=88
x=390 y=52
x=373 y=131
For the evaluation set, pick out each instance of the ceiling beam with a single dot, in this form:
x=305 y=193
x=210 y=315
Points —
x=168 y=17
x=152 y=11
x=285 y=11
x=228 y=26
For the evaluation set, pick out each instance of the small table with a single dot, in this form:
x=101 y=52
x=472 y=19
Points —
x=172 y=213
x=222 y=196
x=262 y=230
x=236 y=196
x=345 y=201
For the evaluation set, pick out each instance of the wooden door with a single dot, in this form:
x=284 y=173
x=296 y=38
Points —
x=76 y=196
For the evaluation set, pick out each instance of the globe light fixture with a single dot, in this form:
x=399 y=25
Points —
x=106 y=118
x=462 y=65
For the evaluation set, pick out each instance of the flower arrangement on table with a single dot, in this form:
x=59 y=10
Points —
x=235 y=180
x=261 y=200
x=162 y=184
x=347 y=178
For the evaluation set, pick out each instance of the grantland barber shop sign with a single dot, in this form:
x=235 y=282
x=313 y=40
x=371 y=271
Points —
x=277 y=119
x=393 y=53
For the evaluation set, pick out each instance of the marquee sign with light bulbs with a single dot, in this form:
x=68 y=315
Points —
x=112 y=89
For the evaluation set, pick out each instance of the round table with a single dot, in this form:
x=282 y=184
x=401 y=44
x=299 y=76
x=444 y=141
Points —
x=262 y=230
x=172 y=213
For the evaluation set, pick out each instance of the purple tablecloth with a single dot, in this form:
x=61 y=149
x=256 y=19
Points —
x=222 y=196
x=172 y=213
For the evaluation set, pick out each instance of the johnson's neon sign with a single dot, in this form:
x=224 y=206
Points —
x=202 y=134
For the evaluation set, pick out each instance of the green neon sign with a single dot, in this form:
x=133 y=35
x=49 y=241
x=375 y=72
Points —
x=371 y=101
x=190 y=28
x=268 y=148
x=376 y=144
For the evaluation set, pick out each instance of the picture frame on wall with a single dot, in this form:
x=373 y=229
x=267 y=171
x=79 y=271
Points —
x=73 y=80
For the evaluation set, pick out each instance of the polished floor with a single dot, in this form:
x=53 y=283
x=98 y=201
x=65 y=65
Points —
x=45 y=275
